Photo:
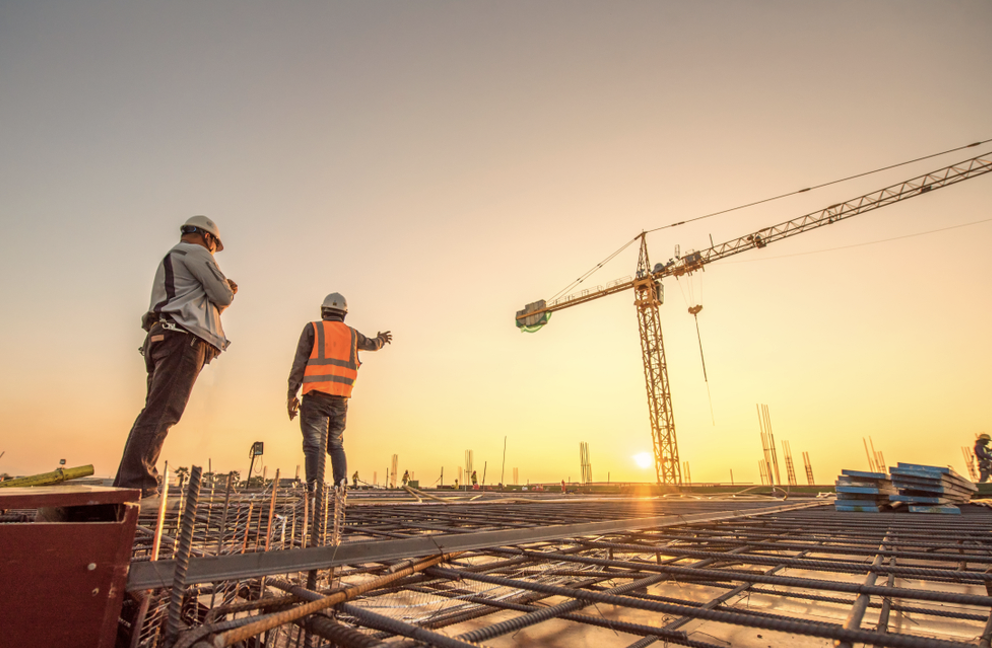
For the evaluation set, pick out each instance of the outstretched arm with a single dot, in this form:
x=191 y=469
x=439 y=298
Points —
x=376 y=343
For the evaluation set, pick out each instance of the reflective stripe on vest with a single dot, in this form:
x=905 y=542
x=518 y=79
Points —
x=333 y=364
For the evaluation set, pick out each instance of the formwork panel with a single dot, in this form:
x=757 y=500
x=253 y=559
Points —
x=63 y=580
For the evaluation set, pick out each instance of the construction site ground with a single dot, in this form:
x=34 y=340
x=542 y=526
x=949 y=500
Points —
x=243 y=567
x=543 y=569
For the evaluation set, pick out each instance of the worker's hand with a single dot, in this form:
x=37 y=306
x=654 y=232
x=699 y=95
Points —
x=293 y=406
x=234 y=286
x=385 y=335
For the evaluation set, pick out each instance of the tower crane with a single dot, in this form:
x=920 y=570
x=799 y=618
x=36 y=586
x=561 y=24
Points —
x=648 y=290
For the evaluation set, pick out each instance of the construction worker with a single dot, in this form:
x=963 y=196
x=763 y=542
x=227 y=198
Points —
x=475 y=481
x=354 y=480
x=984 y=457
x=183 y=333
x=326 y=365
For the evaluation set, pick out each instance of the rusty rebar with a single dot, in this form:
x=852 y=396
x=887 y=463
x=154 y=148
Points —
x=182 y=558
x=340 y=595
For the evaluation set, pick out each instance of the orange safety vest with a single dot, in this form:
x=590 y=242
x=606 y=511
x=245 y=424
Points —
x=333 y=364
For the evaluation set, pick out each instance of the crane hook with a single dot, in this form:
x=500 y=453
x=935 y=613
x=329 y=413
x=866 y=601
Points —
x=694 y=311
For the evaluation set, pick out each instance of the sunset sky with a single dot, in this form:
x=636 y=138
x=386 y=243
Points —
x=443 y=163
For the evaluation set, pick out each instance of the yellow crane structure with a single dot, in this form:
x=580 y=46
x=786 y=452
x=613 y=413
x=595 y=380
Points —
x=649 y=295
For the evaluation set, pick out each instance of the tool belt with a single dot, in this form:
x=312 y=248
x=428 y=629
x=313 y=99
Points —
x=151 y=318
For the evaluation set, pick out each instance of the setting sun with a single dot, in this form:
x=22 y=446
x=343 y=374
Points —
x=643 y=459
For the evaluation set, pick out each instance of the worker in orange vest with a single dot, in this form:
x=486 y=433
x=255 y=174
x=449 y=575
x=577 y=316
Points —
x=326 y=365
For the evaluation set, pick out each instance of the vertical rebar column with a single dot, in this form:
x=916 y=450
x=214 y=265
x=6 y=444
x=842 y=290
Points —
x=305 y=526
x=790 y=468
x=771 y=443
x=251 y=508
x=139 y=619
x=160 y=518
x=328 y=494
x=222 y=532
x=272 y=509
x=222 y=536
x=292 y=529
x=340 y=502
x=182 y=557
x=210 y=508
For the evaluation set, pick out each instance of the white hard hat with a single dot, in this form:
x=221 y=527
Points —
x=335 y=301
x=207 y=225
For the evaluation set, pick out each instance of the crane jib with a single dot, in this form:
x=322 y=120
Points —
x=697 y=260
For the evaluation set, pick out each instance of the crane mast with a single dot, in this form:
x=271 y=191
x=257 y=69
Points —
x=648 y=296
x=647 y=299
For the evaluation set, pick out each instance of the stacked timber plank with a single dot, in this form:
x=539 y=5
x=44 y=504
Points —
x=930 y=489
x=863 y=492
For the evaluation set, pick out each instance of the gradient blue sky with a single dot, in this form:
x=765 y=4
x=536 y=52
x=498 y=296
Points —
x=442 y=164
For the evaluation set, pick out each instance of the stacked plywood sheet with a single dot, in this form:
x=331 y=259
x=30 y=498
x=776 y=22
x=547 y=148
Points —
x=865 y=492
x=930 y=489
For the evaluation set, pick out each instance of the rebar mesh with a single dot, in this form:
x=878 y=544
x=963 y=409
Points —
x=716 y=573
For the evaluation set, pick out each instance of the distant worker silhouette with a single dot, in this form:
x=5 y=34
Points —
x=326 y=366
x=984 y=457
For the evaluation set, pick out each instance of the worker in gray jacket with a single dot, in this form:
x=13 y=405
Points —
x=184 y=333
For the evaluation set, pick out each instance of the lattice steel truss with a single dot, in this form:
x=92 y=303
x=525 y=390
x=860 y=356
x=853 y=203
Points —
x=647 y=299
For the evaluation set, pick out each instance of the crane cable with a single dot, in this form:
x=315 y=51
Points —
x=820 y=186
x=694 y=311
x=695 y=307
x=599 y=265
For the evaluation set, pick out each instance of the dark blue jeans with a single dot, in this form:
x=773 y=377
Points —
x=322 y=421
x=173 y=361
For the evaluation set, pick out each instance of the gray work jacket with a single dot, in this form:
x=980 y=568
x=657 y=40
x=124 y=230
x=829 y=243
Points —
x=191 y=291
